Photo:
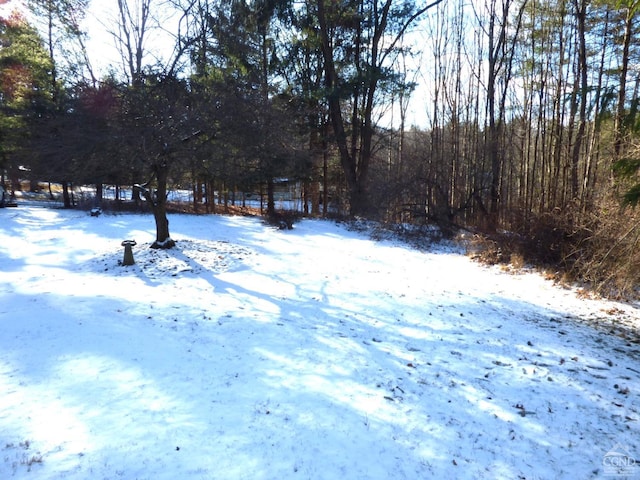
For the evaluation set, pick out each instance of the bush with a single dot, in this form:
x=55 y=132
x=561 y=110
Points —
x=608 y=260
x=600 y=248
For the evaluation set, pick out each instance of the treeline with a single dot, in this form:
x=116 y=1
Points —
x=532 y=113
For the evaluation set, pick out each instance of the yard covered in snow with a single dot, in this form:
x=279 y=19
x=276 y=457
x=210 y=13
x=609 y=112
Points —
x=318 y=353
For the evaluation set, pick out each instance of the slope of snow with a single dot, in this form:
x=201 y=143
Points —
x=253 y=353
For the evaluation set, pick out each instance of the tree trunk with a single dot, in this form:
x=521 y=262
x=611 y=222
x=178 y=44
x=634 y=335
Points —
x=158 y=203
x=163 y=239
x=312 y=192
x=271 y=202
x=65 y=195
x=355 y=180
x=581 y=12
x=99 y=192
x=620 y=132
x=493 y=154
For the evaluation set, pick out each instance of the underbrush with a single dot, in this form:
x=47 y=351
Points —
x=599 y=249
x=421 y=236
x=608 y=259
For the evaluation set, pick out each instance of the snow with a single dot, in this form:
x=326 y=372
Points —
x=248 y=352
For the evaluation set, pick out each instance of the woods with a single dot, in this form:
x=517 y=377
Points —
x=530 y=114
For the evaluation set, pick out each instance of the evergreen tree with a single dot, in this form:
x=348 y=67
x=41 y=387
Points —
x=25 y=75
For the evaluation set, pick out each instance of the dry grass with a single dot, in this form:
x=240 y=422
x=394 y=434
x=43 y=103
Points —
x=599 y=249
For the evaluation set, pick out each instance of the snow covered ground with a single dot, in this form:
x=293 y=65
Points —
x=252 y=353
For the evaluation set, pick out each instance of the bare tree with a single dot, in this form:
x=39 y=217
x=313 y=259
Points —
x=500 y=57
x=630 y=8
x=134 y=22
